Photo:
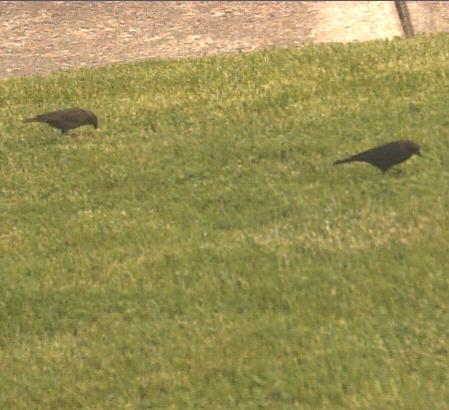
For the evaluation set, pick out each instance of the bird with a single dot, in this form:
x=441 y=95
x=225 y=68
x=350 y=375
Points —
x=387 y=155
x=67 y=119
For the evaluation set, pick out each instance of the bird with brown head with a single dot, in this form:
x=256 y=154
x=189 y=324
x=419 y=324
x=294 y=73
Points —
x=67 y=119
x=385 y=156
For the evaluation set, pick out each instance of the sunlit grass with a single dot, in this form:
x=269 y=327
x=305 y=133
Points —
x=199 y=251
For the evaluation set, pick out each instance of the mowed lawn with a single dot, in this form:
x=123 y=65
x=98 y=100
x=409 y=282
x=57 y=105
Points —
x=200 y=251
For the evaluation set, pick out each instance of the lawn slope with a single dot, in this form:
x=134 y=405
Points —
x=199 y=251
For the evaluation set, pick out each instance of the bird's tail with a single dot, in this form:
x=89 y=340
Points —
x=343 y=161
x=34 y=119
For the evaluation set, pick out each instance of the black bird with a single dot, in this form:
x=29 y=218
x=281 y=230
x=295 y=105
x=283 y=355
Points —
x=68 y=119
x=387 y=155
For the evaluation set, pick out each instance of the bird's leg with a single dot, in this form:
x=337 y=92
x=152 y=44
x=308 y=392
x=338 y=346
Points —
x=69 y=133
x=397 y=171
x=283 y=155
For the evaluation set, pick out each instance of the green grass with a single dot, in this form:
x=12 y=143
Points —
x=199 y=251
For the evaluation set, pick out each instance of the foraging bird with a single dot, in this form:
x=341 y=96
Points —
x=68 y=119
x=387 y=155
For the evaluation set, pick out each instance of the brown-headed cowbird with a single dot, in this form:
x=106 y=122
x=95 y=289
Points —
x=68 y=119
x=387 y=155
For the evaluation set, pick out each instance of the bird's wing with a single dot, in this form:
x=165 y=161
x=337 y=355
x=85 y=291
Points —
x=383 y=153
x=50 y=116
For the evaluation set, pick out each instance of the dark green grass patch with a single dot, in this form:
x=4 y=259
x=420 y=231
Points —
x=199 y=251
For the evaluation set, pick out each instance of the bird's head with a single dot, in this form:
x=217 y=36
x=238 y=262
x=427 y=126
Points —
x=93 y=120
x=414 y=148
